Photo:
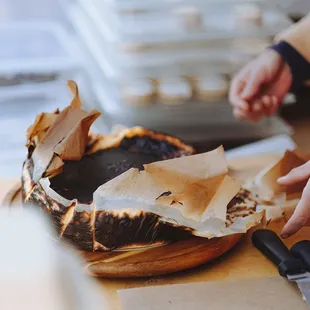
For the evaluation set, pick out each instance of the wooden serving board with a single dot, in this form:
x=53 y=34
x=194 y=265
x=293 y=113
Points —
x=161 y=260
x=148 y=262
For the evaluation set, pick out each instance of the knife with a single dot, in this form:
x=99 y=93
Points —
x=289 y=266
x=301 y=250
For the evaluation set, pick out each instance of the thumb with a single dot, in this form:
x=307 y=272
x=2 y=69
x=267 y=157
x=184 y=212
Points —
x=253 y=85
x=301 y=215
x=296 y=175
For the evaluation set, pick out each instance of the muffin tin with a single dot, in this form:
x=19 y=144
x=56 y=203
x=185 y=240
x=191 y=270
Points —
x=178 y=90
x=195 y=123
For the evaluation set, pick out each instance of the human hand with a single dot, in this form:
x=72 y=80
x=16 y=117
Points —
x=259 y=88
x=301 y=215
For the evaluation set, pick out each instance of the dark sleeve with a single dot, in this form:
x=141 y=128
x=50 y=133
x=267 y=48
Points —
x=299 y=66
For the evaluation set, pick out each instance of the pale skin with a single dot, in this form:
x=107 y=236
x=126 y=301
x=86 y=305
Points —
x=257 y=91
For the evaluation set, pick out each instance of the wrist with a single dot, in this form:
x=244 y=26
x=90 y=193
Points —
x=299 y=66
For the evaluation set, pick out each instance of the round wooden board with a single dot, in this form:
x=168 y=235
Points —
x=154 y=261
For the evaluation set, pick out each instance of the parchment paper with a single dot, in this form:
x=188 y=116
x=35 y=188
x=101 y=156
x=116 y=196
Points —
x=274 y=293
x=277 y=201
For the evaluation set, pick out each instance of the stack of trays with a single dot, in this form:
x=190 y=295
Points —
x=168 y=65
x=36 y=60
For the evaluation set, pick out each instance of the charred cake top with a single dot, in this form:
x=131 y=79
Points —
x=80 y=179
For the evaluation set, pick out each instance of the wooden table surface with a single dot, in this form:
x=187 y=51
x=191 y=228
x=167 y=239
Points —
x=244 y=261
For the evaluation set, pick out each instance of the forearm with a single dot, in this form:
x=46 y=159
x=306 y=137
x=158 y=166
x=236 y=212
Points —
x=294 y=46
x=298 y=36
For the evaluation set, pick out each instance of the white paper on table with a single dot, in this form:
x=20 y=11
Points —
x=276 y=144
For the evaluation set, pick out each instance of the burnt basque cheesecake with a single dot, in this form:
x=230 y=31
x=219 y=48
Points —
x=66 y=164
x=106 y=230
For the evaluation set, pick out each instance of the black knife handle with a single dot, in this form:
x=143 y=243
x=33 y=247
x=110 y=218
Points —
x=274 y=249
x=301 y=250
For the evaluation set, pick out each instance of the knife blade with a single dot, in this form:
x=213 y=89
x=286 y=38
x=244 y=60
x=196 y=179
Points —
x=289 y=266
x=301 y=250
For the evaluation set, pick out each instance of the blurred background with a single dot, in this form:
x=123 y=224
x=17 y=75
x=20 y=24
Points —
x=165 y=65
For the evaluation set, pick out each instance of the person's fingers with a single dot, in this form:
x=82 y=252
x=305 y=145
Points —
x=266 y=100
x=300 y=216
x=255 y=112
x=296 y=175
x=236 y=88
x=254 y=118
x=239 y=114
x=279 y=87
x=267 y=105
x=239 y=103
x=275 y=105
x=247 y=86
x=253 y=85
x=257 y=107
x=270 y=104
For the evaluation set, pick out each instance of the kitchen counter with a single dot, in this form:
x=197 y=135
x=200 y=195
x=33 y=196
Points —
x=244 y=261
